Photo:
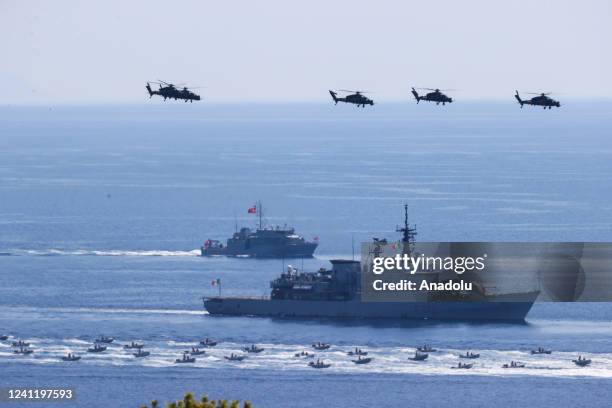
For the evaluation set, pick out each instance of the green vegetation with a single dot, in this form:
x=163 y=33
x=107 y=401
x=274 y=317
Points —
x=189 y=401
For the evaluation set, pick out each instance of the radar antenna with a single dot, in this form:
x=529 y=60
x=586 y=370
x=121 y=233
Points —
x=408 y=233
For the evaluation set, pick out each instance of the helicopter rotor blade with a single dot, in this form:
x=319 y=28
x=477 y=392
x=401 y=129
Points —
x=350 y=90
x=438 y=89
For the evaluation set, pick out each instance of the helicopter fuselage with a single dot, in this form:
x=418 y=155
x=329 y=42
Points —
x=540 y=100
x=356 y=99
x=171 y=92
x=435 y=96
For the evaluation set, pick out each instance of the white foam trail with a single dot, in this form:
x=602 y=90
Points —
x=96 y=310
x=117 y=252
x=391 y=360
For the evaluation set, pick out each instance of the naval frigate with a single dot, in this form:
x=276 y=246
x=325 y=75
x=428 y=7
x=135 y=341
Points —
x=336 y=293
x=263 y=242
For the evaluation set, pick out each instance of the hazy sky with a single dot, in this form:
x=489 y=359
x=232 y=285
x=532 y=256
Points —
x=284 y=50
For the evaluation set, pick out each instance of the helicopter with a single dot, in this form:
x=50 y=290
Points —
x=356 y=98
x=436 y=96
x=168 y=90
x=541 y=100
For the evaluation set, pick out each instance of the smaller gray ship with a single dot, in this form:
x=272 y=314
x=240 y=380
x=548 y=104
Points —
x=263 y=242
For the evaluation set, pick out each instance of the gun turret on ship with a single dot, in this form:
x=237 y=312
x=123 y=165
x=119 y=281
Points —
x=263 y=242
x=337 y=293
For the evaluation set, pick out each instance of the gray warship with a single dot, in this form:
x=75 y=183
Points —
x=263 y=242
x=336 y=293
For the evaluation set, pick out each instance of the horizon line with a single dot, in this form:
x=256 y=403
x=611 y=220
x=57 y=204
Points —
x=262 y=102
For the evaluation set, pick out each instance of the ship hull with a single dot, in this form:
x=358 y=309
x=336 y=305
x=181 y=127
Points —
x=305 y=250
x=511 y=309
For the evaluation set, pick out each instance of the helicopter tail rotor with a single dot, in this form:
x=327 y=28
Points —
x=518 y=98
x=334 y=96
x=149 y=90
x=416 y=95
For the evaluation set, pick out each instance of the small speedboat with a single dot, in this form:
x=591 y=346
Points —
x=426 y=348
x=3 y=337
x=71 y=357
x=208 y=342
x=96 y=348
x=20 y=343
x=24 y=351
x=321 y=346
x=253 y=349
x=541 y=350
x=235 y=357
x=357 y=352
x=141 y=353
x=582 y=362
x=464 y=366
x=319 y=364
x=185 y=359
x=364 y=360
x=469 y=354
x=133 y=345
x=419 y=356
x=514 y=364
x=197 y=352
x=104 y=339
x=304 y=354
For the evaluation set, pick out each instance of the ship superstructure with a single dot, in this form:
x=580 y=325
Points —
x=262 y=242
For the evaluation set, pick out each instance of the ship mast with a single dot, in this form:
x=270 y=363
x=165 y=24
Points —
x=259 y=211
x=408 y=233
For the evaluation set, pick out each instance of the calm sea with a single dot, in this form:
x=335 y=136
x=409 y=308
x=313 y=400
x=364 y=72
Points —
x=103 y=208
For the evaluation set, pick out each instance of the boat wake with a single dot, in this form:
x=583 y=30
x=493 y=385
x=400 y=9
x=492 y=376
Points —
x=96 y=311
x=281 y=357
x=90 y=252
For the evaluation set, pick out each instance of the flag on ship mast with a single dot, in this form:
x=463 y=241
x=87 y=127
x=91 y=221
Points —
x=217 y=282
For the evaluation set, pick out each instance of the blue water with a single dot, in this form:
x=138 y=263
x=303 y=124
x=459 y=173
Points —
x=102 y=210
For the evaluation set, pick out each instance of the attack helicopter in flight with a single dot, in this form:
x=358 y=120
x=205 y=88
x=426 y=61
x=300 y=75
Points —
x=542 y=99
x=168 y=90
x=435 y=96
x=356 y=97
